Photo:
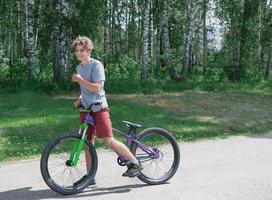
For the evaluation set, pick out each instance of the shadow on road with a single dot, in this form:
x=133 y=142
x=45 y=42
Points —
x=27 y=194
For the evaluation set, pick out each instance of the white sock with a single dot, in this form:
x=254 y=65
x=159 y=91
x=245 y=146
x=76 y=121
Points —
x=134 y=161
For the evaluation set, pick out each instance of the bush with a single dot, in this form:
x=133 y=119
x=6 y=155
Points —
x=3 y=65
x=127 y=69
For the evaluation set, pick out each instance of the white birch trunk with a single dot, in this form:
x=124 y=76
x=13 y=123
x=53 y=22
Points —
x=31 y=41
x=188 y=38
x=145 y=42
x=268 y=64
x=259 y=33
x=234 y=41
x=61 y=41
x=166 y=42
x=204 y=56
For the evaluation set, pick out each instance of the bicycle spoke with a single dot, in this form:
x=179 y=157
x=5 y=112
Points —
x=161 y=168
x=60 y=173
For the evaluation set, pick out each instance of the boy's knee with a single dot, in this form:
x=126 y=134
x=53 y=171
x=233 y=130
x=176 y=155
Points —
x=110 y=142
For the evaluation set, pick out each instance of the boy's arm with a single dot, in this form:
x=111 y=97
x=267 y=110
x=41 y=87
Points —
x=93 y=87
x=78 y=101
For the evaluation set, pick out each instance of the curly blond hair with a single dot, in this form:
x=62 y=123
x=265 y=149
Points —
x=83 y=41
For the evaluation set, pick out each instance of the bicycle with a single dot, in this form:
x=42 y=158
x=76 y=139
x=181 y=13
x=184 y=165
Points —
x=63 y=165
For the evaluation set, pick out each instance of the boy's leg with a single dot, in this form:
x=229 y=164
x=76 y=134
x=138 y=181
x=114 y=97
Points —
x=88 y=156
x=90 y=137
x=118 y=147
x=104 y=131
x=134 y=167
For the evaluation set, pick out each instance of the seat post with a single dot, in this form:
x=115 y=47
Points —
x=131 y=130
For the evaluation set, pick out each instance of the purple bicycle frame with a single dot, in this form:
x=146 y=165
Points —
x=151 y=152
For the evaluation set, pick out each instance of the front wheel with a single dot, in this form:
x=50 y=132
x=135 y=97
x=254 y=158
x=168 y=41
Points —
x=160 y=168
x=59 y=172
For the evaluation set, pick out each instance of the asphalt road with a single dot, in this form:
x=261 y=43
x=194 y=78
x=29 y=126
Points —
x=237 y=168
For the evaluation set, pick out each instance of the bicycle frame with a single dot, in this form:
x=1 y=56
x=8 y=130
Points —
x=130 y=139
x=74 y=157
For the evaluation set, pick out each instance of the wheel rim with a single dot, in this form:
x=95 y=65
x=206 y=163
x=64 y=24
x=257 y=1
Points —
x=62 y=174
x=159 y=168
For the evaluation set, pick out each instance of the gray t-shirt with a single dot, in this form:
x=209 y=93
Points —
x=93 y=72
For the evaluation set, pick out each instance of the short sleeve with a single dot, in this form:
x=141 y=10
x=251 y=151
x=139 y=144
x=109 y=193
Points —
x=77 y=69
x=98 y=72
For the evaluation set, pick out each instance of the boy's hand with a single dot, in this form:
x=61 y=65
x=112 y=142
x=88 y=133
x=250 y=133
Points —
x=76 y=77
x=77 y=103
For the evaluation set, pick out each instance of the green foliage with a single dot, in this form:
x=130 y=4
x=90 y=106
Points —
x=121 y=86
x=18 y=71
x=116 y=30
x=4 y=67
x=44 y=64
x=127 y=69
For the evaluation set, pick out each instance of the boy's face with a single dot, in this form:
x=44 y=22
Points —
x=81 y=53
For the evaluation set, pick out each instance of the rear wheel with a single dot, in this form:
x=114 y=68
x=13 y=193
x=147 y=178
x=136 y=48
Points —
x=57 y=169
x=159 y=168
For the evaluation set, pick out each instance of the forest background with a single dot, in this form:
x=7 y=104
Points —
x=146 y=46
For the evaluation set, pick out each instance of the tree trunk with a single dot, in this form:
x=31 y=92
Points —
x=105 y=34
x=21 y=31
x=31 y=41
x=259 y=33
x=132 y=32
x=159 y=51
x=126 y=26
x=145 y=43
x=188 y=38
x=118 y=36
x=204 y=32
x=113 y=27
x=268 y=65
x=140 y=31
x=61 y=41
x=166 y=42
x=150 y=31
x=268 y=38
x=110 y=31
x=235 y=47
x=243 y=36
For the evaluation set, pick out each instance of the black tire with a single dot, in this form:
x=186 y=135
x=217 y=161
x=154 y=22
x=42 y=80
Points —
x=57 y=155
x=162 y=141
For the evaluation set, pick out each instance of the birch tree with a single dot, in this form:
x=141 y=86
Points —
x=166 y=42
x=31 y=40
x=132 y=33
x=188 y=38
x=145 y=41
x=204 y=32
x=244 y=33
x=234 y=40
x=62 y=40
x=259 y=31
x=267 y=39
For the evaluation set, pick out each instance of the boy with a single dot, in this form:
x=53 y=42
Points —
x=91 y=77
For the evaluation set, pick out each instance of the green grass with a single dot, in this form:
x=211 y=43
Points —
x=29 y=120
x=192 y=115
x=152 y=86
x=156 y=86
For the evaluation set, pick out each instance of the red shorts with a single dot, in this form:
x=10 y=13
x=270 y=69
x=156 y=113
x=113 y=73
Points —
x=102 y=127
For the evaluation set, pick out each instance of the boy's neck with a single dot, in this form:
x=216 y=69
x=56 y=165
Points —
x=85 y=62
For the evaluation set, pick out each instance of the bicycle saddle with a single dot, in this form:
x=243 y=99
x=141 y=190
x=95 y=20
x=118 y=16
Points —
x=132 y=125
